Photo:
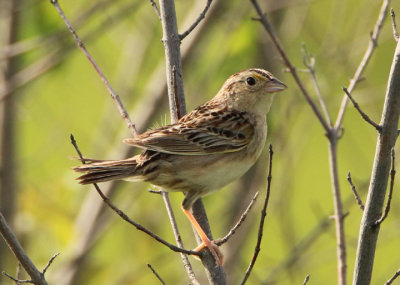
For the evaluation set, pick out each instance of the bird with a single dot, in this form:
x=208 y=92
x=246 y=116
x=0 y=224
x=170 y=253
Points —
x=203 y=151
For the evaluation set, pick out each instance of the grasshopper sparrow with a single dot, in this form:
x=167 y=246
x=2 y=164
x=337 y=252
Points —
x=206 y=149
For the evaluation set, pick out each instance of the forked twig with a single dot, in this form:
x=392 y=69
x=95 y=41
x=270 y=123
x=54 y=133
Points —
x=353 y=188
x=387 y=208
x=153 y=3
x=129 y=220
x=198 y=20
x=20 y=281
x=309 y=63
x=262 y=219
x=223 y=240
x=363 y=115
x=115 y=97
x=364 y=61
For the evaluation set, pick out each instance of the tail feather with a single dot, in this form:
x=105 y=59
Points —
x=103 y=171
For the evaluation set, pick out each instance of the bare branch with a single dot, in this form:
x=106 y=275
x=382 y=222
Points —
x=268 y=27
x=368 y=235
x=353 y=188
x=394 y=25
x=171 y=41
x=155 y=273
x=387 y=208
x=115 y=97
x=390 y=281
x=17 y=281
x=365 y=60
x=223 y=240
x=262 y=219
x=309 y=62
x=153 y=3
x=363 y=115
x=306 y=279
x=50 y=262
x=178 y=239
x=16 y=248
x=198 y=20
x=127 y=219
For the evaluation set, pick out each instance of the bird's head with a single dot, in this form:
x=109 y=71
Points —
x=250 y=90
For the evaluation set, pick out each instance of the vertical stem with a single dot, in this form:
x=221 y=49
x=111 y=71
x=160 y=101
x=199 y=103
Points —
x=379 y=178
x=173 y=60
x=8 y=28
x=171 y=41
x=338 y=208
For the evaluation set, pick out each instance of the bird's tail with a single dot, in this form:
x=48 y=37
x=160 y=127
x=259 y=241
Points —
x=101 y=171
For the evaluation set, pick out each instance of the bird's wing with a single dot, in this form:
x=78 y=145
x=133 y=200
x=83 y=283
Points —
x=199 y=134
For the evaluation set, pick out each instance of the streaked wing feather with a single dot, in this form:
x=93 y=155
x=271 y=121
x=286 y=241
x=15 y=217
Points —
x=194 y=134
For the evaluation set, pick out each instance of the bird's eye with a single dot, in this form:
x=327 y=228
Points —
x=251 y=81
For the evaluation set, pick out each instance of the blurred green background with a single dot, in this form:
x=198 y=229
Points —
x=56 y=92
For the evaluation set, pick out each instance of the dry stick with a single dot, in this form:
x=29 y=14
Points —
x=81 y=46
x=394 y=26
x=387 y=208
x=178 y=239
x=365 y=60
x=198 y=20
x=309 y=62
x=171 y=41
x=390 y=281
x=353 y=188
x=223 y=240
x=368 y=235
x=363 y=115
x=16 y=248
x=262 y=220
x=153 y=3
x=126 y=218
x=155 y=273
x=306 y=279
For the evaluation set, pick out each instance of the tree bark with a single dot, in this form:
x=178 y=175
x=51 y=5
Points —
x=379 y=178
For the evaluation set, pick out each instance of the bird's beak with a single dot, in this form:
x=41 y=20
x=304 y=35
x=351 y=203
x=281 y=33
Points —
x=276 y=85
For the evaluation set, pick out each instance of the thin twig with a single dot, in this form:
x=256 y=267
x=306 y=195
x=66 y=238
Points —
x=306 y=279
x=309 y=62
x=387 y=208
x=16 y=248
x=268 y=27
x=178 y=239
x=364 y=62
x=17 y=281
x=363 y=115
x=353 y=188
x=394 y=25
x=262 y=219
x=50 y=262
x=126 y=218
x=390 y=281
x=115 y=97
x=223 y=240
x=198 y=20
x=155 y=273
x=153 y=3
